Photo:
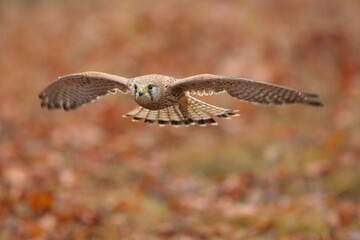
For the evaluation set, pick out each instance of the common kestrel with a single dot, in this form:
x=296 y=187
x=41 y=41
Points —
x=167 y=100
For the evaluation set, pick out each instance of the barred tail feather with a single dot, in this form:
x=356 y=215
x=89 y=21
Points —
x=151 y=117
x=133 y=112
x=137 y=114
x=171 y=115
x=163 y=117
x=183 y=116
x=198 y=116
x=141 y=115
x=190 y=111
x=175 y=116
x=214 y=110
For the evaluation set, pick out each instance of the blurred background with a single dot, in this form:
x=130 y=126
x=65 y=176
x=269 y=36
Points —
x=275 y=172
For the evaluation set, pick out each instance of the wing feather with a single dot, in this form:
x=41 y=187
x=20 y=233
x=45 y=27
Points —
x=244 y=89
x=72 y=91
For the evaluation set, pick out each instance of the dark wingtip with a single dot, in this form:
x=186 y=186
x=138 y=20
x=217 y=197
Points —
x=314 y=103
x=56 y=105
x=310 y=95
x=67 y=106
x=42 y=95
x=43 y=105
x=312 y=100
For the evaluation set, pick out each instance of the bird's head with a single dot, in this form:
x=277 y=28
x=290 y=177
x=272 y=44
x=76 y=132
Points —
x=145 y=93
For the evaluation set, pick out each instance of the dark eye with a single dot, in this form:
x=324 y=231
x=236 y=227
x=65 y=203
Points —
x=135 y=87
x=150 y=86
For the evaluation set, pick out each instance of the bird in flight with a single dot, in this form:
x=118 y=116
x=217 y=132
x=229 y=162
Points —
x=168 y=100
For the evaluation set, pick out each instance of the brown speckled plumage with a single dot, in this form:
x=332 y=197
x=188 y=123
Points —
x=167 y=100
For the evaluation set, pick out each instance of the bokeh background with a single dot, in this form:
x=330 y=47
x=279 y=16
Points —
x=275 y=172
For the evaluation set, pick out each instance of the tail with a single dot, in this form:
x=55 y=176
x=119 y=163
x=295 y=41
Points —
x=170 y=115
x=201 y=107
x=190 y=111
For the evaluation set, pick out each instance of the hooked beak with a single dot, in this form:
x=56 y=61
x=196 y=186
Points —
x=141 y=91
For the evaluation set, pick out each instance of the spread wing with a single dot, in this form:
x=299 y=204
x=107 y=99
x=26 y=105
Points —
x=71 y=91
x=244 y=89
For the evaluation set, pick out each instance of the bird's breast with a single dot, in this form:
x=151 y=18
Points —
x=157 y=104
